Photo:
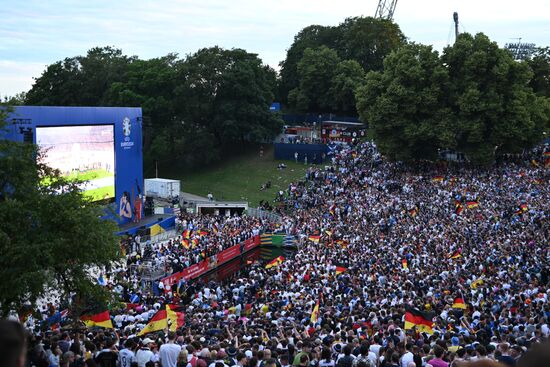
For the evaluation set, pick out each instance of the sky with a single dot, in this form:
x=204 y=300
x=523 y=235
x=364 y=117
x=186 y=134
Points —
x=36 y=33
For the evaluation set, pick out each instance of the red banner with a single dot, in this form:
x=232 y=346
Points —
x=250 y=243
x=229 y=254
x=191 y=272
x=195 y=271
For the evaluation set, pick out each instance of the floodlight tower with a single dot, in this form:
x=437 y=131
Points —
x=385 y=9
x=520 y=50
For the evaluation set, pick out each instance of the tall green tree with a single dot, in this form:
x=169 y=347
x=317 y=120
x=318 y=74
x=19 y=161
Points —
x=41 y=250
x=406 y=104
x=494 y=110
x=316 y=70
x=223 y=98
x=365 y=40
x=368 y=41
x=348 y=76
x=80 y=80
x=313 y=36
x=540 y=66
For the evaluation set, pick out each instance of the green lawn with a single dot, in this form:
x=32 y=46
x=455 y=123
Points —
x=101 y=193
x=90 y=175
x=240 y=178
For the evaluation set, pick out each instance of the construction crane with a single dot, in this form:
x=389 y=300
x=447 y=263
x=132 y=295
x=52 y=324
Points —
x=385 y=9
x=455 y=19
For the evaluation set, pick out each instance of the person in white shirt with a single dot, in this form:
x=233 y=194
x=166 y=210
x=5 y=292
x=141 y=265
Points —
x=126 y=356
x=408 y=356
x=144 y=354
x=169 y=352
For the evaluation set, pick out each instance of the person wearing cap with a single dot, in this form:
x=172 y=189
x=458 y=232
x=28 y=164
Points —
x=144 y=354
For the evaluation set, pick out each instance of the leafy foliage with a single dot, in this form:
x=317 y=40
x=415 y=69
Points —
x=540 y=66
x=40 y=249
x=474 y=98
x=363 y=40
x=405 y=104
x=195 y=109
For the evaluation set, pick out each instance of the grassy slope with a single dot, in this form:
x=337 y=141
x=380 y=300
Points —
x=240 y=178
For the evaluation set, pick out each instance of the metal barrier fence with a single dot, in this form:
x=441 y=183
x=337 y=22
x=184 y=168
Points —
x=264 y=214
x=164 y=236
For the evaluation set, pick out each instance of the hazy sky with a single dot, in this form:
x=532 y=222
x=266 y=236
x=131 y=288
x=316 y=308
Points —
x=35 y=33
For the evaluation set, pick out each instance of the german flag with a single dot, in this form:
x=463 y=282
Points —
x=102 y=319
x=175 y=317
x=458 y=207
x=472 y=204
x=340 y=270
x=438 y=178
x=421 y=320
x=215 y=228
x=405 y=264
x=315 y=239
x=202 y=233
x=459 y=303
x=476 y=283
x=342 y=243
x=522 y=209
x=329 y=233
x=194 y=242
x=186 y=234
x=158 y=322
x=185 y=244
x=455 y=255
x=275 y=262
x=315 y=313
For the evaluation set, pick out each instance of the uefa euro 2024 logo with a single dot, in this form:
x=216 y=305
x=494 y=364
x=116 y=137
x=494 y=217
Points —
x=126 y=126
x=126 y=129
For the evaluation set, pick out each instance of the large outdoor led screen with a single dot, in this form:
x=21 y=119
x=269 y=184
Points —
x=84 y=153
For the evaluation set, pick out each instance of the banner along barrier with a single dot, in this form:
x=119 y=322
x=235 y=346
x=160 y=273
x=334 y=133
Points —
x=212 y=262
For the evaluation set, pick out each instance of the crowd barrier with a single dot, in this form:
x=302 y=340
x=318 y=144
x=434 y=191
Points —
x=211 y=263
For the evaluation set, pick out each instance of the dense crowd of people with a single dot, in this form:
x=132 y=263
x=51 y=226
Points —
x=377 y=239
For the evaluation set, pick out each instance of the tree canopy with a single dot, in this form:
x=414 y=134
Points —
x=40 y=248
x=365 y=40
x=195 y=109
x=474 y=98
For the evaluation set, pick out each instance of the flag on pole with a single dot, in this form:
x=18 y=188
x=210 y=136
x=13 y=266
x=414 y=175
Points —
x=456 y=254
x=102 y=319
x=472 y=204
x=175 y=317
x=158 y=322
x=315 y=313
x=423 y=321
x=340 y=270
x=275 y=262
x=315 y=239
x=459 y=303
